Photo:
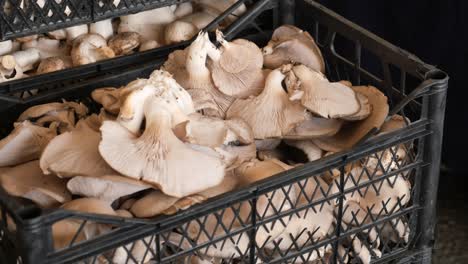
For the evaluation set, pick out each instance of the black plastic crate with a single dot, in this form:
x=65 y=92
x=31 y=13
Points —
x=414 y=89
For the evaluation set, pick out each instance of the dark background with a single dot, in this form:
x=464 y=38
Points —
x=435 y=31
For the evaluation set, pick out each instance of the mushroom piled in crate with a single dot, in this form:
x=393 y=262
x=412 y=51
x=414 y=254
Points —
x=84 y=44
x=214 y=120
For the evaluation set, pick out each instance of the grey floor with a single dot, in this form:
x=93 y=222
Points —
x=452 y=230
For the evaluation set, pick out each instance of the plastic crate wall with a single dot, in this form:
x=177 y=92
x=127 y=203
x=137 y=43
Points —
x=25 y=17
x=416 y=90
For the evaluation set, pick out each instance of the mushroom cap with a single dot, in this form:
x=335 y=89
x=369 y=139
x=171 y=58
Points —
x=64 y=232
x=172 y=90
x=75 y=153
x=25 y=143
x=364 y=111
x=158 y=156
x=213 y=132
x=109 y=98
x=239 y=69
x=108 y=188
x=53 y=64
x=314 y=127
x=352 y=133
x=90 y=48
x=27 y=180
x=291 y=44
x=271 y=114
x=179 y=31
x=89 y=205
x=38 y=111
x=124 y=43
x=326 y=99
x=156 y=202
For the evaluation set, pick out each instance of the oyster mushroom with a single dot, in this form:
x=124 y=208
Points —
x=90 y=48
x=6 y=47
x=27 y=180
x=124 y=43
x=195 y=75
x=271 y=114
x=156 y=202
x=75 y=153
x=158 y=153
x=160 y=84
x=291 y=44
x=323 y=98
x=351 y=133
x=107 y=188
x=236 y=68
x=109 y=98
x=25 y=143
x=314 y=127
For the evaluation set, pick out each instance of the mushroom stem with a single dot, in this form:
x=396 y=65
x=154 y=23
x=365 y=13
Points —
x=26 y=59
x=6 y=47
x=103 y=28
x=76 y=31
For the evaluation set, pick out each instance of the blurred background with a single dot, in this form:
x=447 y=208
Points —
x=436 y=31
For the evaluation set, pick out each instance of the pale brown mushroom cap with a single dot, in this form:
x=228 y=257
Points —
x=124 y=43
x=351 y=133
x=109 y=98
x=108 y=188
x=38 y=111
x=364 y=111
x=238 y=70
x=156 y=202
x=271 y=114
x=89 y=205
x=267 y=144
x=27 y=180
x=314 y=127
x=75 y=153
x=25 y=143
x=326 y=99
x=158 y=153
x=291 y=44
x=53 y=64
x=213 y=132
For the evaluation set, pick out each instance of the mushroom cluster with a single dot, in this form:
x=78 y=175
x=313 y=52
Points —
x=84 y=44
x=213 y=120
